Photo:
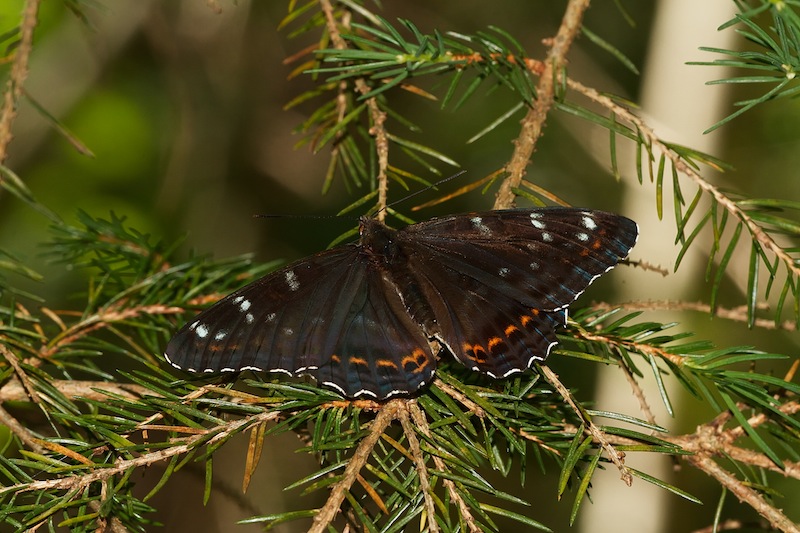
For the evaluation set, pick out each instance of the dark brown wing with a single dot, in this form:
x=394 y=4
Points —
x=499 y=283
x=331 y=316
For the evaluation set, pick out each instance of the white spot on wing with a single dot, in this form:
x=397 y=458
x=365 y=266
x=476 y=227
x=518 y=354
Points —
x=221 y=334
x=291 y=280
x=244 y=305
x=538 y=224
x=271 y=317
x=477 y=222
x=503 y=272
x=249 y=318
x=166 y=356
x=508 y=373
x=335 y=386
x=588 y=222
x=288 y=331
x=546 y=237
x=547 y=351
x=201 y=330
x=534 y=265
x=582 y=236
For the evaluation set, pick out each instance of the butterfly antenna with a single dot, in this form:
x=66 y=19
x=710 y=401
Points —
x=403 y=199
x=429 y=187
x=284 y=215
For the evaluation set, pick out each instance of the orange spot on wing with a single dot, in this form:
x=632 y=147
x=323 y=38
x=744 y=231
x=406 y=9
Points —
x=358 y=361
x=475 y=352
x=510 y=329
x=494 y=341
x=418 y=359
x=336 y=359
x=386 y=363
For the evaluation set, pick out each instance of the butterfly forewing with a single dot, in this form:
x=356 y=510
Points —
x=328 y=316
x=491 y=287
x=545 y=258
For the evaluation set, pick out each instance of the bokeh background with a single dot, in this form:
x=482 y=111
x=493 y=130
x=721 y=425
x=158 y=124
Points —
x=182 y=105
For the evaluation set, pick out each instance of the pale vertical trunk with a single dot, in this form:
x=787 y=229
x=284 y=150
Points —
x=679 y=106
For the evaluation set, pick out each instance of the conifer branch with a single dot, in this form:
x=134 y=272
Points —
x=105 y=427
x=737 y=314
x=19 y=72
x=377 y=116
x=419 y=461
x=389 y=412
x=533 y=123
x=680 y=164
x=617 y=457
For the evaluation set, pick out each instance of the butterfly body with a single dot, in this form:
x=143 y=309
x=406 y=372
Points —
x=491 y=288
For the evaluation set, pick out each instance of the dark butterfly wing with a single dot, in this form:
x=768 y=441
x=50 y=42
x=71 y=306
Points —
x=499 y=283
x=332 y=316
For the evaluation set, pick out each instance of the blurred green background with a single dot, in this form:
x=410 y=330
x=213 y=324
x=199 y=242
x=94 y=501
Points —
x=182 y=107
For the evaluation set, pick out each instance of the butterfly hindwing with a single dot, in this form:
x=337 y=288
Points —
x=381 y=352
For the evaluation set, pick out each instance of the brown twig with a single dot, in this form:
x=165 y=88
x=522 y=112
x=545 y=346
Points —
x=102 y=473
x=463 y=509
x=744 y=493
x=633 y=346
x=20 y=431
x=701 y=443
x=19 y=71
x=377 y=116
x=789 y=408
x=533 y=123
x=473 y=407
x=617 y=457
x=327 y=513
x=638 y=393
x=13 y=390
x=104 y=524
x=111 y=314
x=711 y=440
x=22 y=377
x=419 y=462
x=738 y=314
x=682 y=167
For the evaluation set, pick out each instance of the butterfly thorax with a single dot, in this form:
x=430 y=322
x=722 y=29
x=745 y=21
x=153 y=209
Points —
x=377 y=240
x=391 y=256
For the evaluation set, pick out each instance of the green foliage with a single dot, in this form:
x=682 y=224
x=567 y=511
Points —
x=775 y=56
x=114 y=407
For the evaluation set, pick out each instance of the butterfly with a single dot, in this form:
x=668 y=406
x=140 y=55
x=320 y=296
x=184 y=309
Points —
x=490 y=288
